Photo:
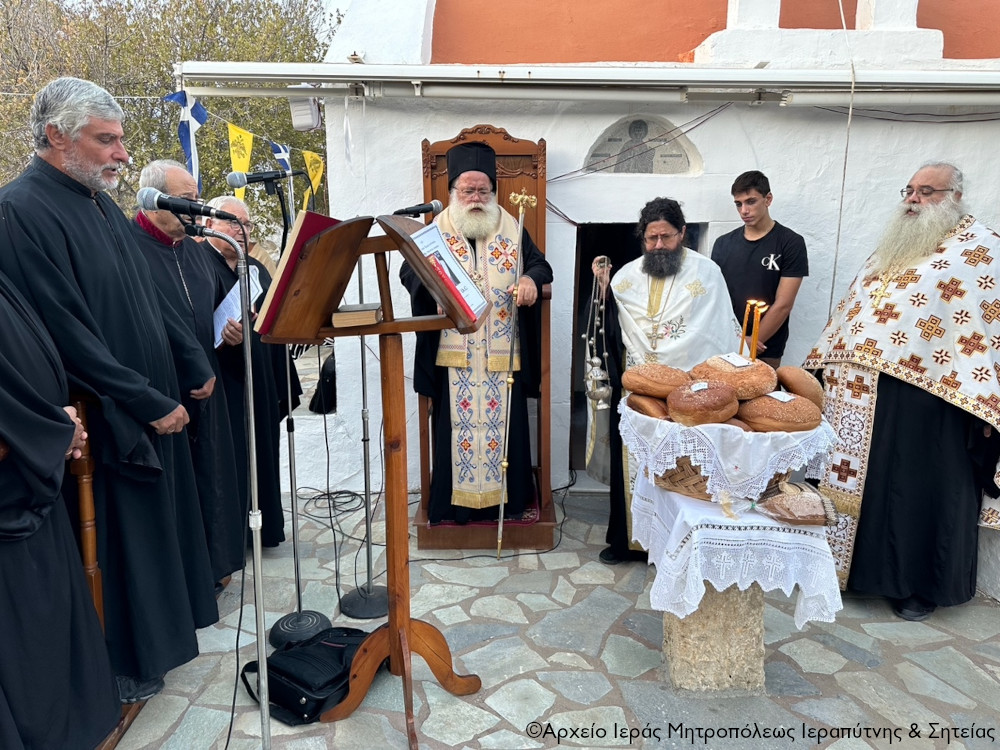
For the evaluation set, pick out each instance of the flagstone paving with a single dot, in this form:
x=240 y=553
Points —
x=571 y=648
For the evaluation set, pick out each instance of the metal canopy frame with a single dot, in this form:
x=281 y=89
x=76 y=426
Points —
x=628 y=83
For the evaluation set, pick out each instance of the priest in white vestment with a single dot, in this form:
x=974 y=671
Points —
x=672 y=307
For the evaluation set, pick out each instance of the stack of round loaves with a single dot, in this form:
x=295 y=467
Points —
x=748 y=394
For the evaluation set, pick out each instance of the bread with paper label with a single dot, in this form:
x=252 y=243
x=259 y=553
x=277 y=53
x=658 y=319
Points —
x=801 y=382
x=702 y=402
x=651 y=379
x=752 y=379
x=780 y=412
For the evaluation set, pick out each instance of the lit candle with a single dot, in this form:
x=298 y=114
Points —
x=746 y=317
x=756 y=330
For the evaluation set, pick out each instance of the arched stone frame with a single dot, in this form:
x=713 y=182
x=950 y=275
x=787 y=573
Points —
x=643 y=144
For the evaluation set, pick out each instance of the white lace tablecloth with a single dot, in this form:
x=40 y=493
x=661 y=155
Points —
x=692 y=542
x=737 y=464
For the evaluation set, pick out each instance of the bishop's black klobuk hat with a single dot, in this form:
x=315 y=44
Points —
x=472 y=157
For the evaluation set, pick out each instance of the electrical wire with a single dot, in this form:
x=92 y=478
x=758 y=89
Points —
x=843 y=172
x=888 y=115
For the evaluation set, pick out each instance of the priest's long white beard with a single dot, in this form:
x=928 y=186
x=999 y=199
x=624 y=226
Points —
x=475 y=224
x=909 y=239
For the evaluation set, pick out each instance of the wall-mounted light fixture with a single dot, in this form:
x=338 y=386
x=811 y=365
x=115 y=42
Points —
x=305 y=111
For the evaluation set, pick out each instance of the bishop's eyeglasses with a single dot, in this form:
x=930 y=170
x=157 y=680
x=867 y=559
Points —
x=483 y=193
x=924 y=190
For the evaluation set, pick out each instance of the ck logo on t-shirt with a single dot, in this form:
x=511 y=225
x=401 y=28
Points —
x=771 y=262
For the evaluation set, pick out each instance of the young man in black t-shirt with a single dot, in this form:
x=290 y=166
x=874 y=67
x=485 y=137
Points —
x=762 y=260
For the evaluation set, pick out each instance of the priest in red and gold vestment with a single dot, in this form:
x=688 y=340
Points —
x=911 y=362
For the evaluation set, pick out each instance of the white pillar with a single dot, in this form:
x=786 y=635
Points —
x=753 y=14
x=886 y=14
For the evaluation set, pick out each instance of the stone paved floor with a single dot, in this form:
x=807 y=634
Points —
x=560 y=639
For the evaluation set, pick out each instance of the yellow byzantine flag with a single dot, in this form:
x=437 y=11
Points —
x=314 y=166
x=240 y=147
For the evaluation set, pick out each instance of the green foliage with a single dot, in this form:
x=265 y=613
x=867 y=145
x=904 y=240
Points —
x=130 y=47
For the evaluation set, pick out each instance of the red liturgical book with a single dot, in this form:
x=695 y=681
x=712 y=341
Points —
x=307 y=225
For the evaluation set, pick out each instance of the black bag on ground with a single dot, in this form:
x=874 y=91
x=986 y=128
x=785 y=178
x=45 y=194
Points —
x=305 y=679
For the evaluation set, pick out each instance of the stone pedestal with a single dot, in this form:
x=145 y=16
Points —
x=720 y=646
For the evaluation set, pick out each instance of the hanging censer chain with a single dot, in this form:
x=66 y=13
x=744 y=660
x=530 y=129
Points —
x=598 y=385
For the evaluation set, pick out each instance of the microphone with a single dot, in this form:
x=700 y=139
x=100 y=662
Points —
x=197 y=230
x=434 y=207
x=151 y=199
x=242 y=179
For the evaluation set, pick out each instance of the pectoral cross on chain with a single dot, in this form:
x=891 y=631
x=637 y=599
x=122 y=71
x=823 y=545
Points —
x=654 y=336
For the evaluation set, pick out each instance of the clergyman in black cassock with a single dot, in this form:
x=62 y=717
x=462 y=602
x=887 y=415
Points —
x=72 y=254
x=270 y=380
x=56 y=686
x=183 y=275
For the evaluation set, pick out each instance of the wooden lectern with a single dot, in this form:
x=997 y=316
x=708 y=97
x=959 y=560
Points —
x=520 y=165
x=312 y=278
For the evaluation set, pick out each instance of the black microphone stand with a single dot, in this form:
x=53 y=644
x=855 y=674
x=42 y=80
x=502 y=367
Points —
x=255 y=514
x=300 y=624
x=371 y=601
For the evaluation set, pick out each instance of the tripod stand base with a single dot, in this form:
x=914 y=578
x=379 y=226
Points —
x=366 y=605
x=298 y=626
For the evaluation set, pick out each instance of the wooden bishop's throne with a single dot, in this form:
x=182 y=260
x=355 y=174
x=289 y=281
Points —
x=520 y=165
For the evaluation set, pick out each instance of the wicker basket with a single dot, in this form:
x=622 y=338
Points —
x=687 y=479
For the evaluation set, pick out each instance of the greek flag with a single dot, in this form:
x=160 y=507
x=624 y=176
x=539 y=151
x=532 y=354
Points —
x=193 y=116
x=282 y=156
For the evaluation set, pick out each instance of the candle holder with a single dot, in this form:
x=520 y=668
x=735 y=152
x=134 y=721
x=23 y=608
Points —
x=758 y=307
x=746 y=318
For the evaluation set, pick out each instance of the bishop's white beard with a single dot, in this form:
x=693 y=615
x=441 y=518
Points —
x=475 y=224
x=909 y=239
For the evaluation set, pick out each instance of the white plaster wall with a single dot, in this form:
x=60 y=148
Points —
x=811 y=48
x=801 y=150
x=988 y=578
x=384 y=32
x=374 y=167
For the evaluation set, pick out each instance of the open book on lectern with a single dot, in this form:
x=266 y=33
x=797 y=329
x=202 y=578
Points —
x=322 y=256
x=453 y=275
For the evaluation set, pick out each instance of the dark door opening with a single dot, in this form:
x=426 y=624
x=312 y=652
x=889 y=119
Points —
x=618 y=242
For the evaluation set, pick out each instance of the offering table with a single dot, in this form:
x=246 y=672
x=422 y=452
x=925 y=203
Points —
x=713 y=635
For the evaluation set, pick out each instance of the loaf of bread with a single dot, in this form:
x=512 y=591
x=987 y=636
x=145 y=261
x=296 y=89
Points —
x=802 y=383
x=780 y=412
x=750 y=380
x=702 y=402
x=651 y=379
x=650 y=406
x=797 y=503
